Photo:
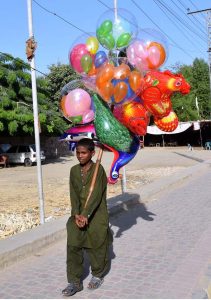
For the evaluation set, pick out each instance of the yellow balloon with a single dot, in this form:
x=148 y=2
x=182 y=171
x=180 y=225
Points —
x=92 y=44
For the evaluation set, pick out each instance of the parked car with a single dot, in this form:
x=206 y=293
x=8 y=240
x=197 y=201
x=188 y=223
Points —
x=23 y=154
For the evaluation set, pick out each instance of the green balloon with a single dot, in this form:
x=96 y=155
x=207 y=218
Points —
x=86 y=63
x=108 y=129
x=105 y=28
x=107 y=41
x=76 y=119
x=123 y=40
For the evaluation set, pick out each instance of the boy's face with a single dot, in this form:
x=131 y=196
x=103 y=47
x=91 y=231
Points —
x=84 y=155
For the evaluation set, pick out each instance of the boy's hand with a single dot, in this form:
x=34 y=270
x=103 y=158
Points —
x=81 y=221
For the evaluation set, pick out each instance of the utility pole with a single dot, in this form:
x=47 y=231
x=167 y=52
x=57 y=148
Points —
x=208 y=24
x=30 y=57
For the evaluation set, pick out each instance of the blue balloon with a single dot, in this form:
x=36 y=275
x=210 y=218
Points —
x=130 y=92
x=115 y=81
x=100 y=58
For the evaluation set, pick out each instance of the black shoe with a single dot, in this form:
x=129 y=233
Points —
x=72 y=288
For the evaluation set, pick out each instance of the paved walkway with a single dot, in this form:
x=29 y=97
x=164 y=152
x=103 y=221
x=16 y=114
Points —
x=162 y=249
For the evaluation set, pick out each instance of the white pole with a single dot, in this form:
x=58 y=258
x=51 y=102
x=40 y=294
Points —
x=36 y=119
x=115 y=9
x=197 y=107
x=123 y=181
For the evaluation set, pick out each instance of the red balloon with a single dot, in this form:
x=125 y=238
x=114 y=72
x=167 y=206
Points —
x=134 y=116
x=168 y=123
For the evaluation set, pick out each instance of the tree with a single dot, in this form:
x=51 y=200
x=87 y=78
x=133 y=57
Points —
x=59 y=76
x=198 y=77
x=16 y=107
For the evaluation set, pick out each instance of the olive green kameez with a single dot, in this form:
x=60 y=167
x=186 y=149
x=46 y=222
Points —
x=96 y=236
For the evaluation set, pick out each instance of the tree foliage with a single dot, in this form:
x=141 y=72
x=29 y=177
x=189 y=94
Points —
x=16 y=105
x=185 y=105
x=59 y=76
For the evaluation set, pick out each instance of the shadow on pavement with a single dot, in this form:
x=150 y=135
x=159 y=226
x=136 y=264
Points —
x=131 y=215
x=190 y=157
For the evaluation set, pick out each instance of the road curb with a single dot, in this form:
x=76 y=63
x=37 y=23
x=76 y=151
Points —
x=30 y=242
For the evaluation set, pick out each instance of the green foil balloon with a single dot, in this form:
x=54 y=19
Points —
x=108 y=129
x=86 y=63
x=107 y=41
x=123 y=40
x=105 y=27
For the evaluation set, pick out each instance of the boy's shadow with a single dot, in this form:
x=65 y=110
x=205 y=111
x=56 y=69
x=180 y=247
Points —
x=133 y=211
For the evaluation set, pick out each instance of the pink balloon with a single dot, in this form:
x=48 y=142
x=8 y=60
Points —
x=77 y=102
x=137 y=55
x=131 y=56
x=88 y=116
x=154 y=55
x=141 y=64
x=140 y=49
x=75 y=56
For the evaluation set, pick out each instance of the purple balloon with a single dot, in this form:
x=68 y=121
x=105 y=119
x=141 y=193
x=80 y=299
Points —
x=100 y=58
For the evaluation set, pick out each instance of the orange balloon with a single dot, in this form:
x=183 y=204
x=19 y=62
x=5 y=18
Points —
x=156 y=55
x=122 y=71
x=120 y=91
x=106 y=91
x=62 y=106
x=93 y=71
x=135 y=81
x=106 y=73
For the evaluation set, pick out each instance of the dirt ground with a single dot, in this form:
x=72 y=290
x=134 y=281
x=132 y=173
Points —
x=19 y=189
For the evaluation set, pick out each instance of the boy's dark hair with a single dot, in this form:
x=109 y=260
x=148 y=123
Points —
x=88 y=143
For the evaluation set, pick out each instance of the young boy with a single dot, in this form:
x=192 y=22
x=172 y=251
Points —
x=88 y=227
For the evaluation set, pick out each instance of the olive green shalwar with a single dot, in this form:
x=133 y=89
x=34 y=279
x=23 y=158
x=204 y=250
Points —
x=96 y=236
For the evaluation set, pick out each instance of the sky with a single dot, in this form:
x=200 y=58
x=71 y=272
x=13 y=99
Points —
x=59 y=24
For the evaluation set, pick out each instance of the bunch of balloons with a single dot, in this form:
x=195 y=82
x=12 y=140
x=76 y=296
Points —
x=117 y=94
x=76 y=103
x=149 y=51
x=116 y=31
x=118 y=84
x=84 y=57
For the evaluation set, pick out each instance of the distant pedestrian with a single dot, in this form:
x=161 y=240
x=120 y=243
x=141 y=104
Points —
x=72 y=146
x=190 y=148
x=88 y=227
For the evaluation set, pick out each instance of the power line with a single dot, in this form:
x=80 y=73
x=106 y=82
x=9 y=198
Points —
x=196 y=8
x=184 y=23
x=22 y=62
x=187 y=37
x=180 y=1
x=58 y=16
x=198 y=27
x=176 y=45
x=104 y=4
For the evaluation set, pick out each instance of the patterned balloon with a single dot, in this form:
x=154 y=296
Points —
x=134 y=116
x=108 y=129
